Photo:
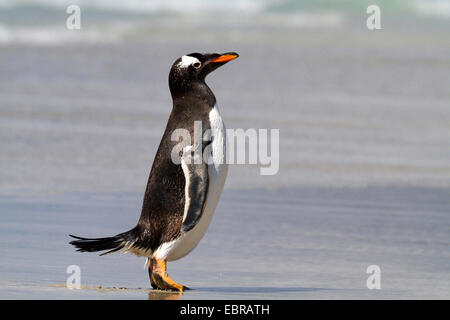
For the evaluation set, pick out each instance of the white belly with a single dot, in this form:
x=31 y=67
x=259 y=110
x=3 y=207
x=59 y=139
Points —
x=180 y=247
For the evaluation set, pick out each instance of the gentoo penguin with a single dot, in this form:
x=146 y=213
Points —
x=182 y=193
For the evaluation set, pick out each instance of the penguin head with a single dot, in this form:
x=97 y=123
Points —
x=193 y=68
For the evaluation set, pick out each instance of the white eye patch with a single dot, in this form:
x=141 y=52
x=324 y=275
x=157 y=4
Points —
x=187 y=61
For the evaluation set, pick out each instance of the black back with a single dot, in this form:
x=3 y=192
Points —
x=164 y=199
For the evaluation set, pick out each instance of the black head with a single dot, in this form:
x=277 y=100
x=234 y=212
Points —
x=191 y=70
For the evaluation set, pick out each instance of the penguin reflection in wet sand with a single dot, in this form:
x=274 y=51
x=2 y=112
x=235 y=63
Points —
x=181 y=196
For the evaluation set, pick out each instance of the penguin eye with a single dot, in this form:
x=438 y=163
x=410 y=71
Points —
x=196 y=65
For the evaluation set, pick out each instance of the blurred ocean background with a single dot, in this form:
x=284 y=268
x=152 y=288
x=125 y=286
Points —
x=43 y=21
x=364 y=119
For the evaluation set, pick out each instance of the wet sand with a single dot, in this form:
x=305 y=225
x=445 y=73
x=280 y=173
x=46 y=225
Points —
x=301 y=243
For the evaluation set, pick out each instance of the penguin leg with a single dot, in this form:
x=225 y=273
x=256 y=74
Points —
x=162 y=279
x=150 y=273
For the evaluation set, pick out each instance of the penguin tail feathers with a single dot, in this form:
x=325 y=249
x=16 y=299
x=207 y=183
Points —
x=112 y=244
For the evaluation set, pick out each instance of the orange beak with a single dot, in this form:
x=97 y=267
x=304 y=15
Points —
x=225 y=58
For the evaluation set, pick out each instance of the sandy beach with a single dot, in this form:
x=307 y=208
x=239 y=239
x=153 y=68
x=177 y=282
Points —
x=364 y=175
x=306 y=243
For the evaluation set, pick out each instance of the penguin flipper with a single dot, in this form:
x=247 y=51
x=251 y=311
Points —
x=196 y=189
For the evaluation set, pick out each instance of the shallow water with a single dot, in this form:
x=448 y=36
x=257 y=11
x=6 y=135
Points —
x=352 y=110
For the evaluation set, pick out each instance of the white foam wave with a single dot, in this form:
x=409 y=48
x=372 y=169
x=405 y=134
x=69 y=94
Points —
x=57 y=35
x=146 y=6
x=108 y=31
x=438 y=8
